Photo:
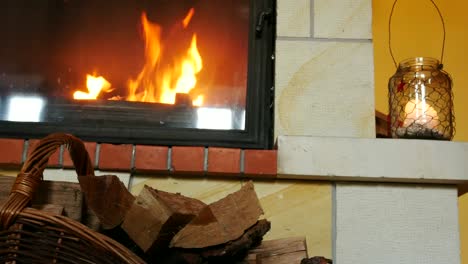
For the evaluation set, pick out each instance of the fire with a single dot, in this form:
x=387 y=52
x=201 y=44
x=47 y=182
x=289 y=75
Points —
x=198 y=101
x=95 y=85
x=156 y=84
x=188 y=17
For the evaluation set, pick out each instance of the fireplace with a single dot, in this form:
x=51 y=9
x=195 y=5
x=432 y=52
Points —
x=140 y=72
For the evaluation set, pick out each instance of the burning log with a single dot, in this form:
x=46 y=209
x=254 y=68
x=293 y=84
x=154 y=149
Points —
x=221 y=221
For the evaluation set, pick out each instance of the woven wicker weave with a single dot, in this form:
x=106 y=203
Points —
x=31 y=236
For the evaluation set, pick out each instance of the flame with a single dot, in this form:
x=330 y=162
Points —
x=198 y=101
x=157 y=84
x=188 y=17
x=95 y=85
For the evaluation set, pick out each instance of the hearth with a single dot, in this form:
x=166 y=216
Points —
x=142 y=72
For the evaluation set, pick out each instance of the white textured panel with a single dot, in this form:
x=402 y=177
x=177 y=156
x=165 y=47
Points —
x=70 y=175
x=293 y=18
x=373 y=159
x=324 y=89
x=389 y=224
x=343 y=19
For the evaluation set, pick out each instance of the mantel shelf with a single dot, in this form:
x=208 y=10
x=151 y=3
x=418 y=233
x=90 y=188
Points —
x=358 y=159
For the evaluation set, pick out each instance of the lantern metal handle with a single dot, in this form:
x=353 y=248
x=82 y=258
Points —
x=390 y=32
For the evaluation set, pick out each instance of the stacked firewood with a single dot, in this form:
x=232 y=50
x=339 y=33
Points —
x=172 y=228
x=163 y=227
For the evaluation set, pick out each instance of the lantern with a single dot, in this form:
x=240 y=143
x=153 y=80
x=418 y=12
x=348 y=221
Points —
x=420 y=96
x=421 y=100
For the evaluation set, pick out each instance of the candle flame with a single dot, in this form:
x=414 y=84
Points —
x=421 y=113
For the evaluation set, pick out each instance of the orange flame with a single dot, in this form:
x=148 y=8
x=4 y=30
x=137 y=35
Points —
x=198 y=101
x=95 y=85
x=154 y=84
x=188 y=17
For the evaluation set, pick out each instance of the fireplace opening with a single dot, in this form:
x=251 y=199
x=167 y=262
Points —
x=143 y=72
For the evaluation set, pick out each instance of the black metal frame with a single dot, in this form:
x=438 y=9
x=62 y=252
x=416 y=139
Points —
x=258 y=131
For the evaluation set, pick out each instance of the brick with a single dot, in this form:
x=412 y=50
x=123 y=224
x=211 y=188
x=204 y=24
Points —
x=293 y=18
x=324 y=88
x=188 y=159
x=151 y=158
x=225 y=161
x=90 y=148
x=11 y=152
x=54 y=159
x=115 y=157
x=347 y=19
x=260 y=162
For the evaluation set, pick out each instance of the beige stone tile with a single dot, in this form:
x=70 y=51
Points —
x=390 y=223
x=343 y=19
x=293 y=18
x=324 y=89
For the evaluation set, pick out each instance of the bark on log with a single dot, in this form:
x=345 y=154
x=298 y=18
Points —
x=222 y=221
x=108 y=197
x=317 y=260
x=156 y=216
x=228 y=253
x=239 y=247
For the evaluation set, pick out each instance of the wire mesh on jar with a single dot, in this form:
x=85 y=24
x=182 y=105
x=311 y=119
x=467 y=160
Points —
x=421 y=101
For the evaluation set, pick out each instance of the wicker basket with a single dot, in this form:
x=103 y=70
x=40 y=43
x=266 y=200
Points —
x=31 y=236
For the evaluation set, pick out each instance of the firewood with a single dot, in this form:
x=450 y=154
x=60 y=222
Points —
x=50 y=208
x=108 y=197
x=228 y=253
x=156 y=216
x=222 y=221
x=65 y=194
x=317 y=260
x=286 y=250
x=239 y=247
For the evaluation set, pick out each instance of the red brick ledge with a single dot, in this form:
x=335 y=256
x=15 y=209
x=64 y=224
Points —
x=155 y=159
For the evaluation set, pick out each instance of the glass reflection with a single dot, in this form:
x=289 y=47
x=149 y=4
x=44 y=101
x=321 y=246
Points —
x=214 y=118
x=25 y=109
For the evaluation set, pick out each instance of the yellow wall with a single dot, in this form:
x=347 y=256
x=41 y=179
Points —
x=417 y=31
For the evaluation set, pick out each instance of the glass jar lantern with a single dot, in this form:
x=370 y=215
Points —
x=421 y=100
x=420 y=95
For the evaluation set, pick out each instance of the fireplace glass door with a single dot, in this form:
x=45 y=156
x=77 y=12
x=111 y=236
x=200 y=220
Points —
x=137 y=71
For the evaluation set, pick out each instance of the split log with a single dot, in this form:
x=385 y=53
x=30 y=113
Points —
x=231 y=252
x=221 y=221
x=239 y=247
x=108 y=197
x=65 y=194
x=156 y=216
x=287 y=250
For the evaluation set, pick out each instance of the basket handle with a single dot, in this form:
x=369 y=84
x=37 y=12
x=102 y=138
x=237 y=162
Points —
x=390 y=32
x=30 y=176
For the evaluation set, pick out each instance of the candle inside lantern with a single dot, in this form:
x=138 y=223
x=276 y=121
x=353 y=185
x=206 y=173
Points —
x=420 y=113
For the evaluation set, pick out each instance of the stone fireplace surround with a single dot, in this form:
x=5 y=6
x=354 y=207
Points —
x=378 y=200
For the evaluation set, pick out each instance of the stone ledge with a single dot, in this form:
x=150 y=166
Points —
x=374 y=160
